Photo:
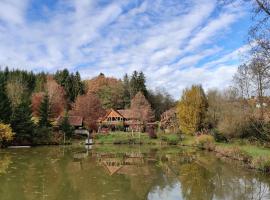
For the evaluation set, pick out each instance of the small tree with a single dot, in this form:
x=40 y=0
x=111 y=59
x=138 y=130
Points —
x=44 y=112
x=66 y=127
x=192 y=109
x=6 y=134
x=22 y=124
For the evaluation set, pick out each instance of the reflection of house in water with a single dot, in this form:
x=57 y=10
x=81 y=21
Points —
x=128 y=163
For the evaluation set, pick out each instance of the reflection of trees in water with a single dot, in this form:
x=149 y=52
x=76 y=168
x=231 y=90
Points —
x=54 y=173
x=5 y=161
x=206 y=178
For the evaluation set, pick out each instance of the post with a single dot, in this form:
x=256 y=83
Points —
x=64 y=138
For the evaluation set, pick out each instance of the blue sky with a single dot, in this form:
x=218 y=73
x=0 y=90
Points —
x=176 y=43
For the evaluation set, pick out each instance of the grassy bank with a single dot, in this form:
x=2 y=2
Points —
x=135 y=138
x=253 y=156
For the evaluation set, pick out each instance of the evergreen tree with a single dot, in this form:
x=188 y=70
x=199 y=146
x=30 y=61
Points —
x=192 y=109
x=66 y=127
x=44 y=112
x=21 y=122
x=137 y=84
x=126 y=93
x=5 y=104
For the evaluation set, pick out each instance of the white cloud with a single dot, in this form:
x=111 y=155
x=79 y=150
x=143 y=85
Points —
x=167 y=39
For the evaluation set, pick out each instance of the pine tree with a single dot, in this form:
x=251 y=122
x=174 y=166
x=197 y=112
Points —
x=44 y=112
x=192 y=109
x=66 y=127
x=21 y=122
x=5 y=104
x=137 y=84
x=126 y=93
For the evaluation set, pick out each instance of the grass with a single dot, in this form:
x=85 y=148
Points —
x=254 y=156
x=124 y=138
x=135 y=138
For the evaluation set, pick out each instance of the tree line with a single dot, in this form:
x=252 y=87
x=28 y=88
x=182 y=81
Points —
x=31 y=102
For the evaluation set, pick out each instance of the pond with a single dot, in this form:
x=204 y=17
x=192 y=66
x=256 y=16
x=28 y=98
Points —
x=125 y=172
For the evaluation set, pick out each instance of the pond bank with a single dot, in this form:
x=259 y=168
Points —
x=252 y=156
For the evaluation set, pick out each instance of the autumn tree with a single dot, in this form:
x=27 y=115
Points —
x=6 y=134
x=89 y=107
x=56 y=95
x=16 y=91
x=141 y=107
x=192 y=109
x=109 y=90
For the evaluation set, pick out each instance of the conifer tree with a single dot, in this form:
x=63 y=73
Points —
x=126 y=93
x=66 y=127
x=5 y=104
x=44 y=112
x=192 y=109
x=21 y=122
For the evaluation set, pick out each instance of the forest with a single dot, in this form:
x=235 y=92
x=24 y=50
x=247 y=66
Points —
x=31 y=102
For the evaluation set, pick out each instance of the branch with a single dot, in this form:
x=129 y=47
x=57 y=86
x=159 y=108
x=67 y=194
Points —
x=261 y=5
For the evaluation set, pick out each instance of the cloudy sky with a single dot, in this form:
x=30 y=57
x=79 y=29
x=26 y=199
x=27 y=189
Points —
x=174 y=42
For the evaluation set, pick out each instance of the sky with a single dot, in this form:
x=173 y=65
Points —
x=176 y=43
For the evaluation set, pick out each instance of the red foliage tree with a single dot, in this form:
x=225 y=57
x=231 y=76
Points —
x=56 y=95
x=142 y=108
x=89 y=107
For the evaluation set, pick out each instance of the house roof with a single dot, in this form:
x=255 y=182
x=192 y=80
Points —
x=128 y=114
x=73 y=120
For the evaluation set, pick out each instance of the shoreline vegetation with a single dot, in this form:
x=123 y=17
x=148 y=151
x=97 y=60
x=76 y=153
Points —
x=251 y=155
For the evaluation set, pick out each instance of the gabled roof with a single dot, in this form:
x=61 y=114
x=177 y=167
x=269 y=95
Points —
x=73 y=120
x=128 y=114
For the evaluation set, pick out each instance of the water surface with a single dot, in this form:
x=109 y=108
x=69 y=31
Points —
x=125 y=173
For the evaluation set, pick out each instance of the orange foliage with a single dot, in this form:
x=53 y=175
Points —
x=95 y=84
x=89 y=107
x=142 y=108
x=57 y=98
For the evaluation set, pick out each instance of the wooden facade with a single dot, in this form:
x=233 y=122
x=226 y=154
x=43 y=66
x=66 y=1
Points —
x=120 y=118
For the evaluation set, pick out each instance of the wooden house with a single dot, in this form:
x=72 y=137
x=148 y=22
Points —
x=75 y=121
x=115 y=119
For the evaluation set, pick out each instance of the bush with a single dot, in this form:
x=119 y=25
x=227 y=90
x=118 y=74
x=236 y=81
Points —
x=262 y=163
x=171 y=139
x=151 y=132
x=42 y=135
x=6 y=134
x=205 y=142
x=219 y=137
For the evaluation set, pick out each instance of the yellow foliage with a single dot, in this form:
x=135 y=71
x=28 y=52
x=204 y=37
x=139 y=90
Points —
x=6 y=133
x=192 y=109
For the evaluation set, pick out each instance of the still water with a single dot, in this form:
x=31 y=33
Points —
x=125 y=173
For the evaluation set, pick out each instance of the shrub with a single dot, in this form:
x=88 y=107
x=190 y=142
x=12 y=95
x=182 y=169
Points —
x=262 y=163
x=219 y=137
x=171 y=139
x=205 y=142
x=151 y=132
x=6 y=134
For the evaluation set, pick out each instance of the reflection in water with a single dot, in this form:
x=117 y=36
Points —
x=5 y=161
x=122 y=172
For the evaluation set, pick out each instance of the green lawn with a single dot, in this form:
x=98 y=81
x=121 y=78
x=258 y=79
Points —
x=252 y=150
